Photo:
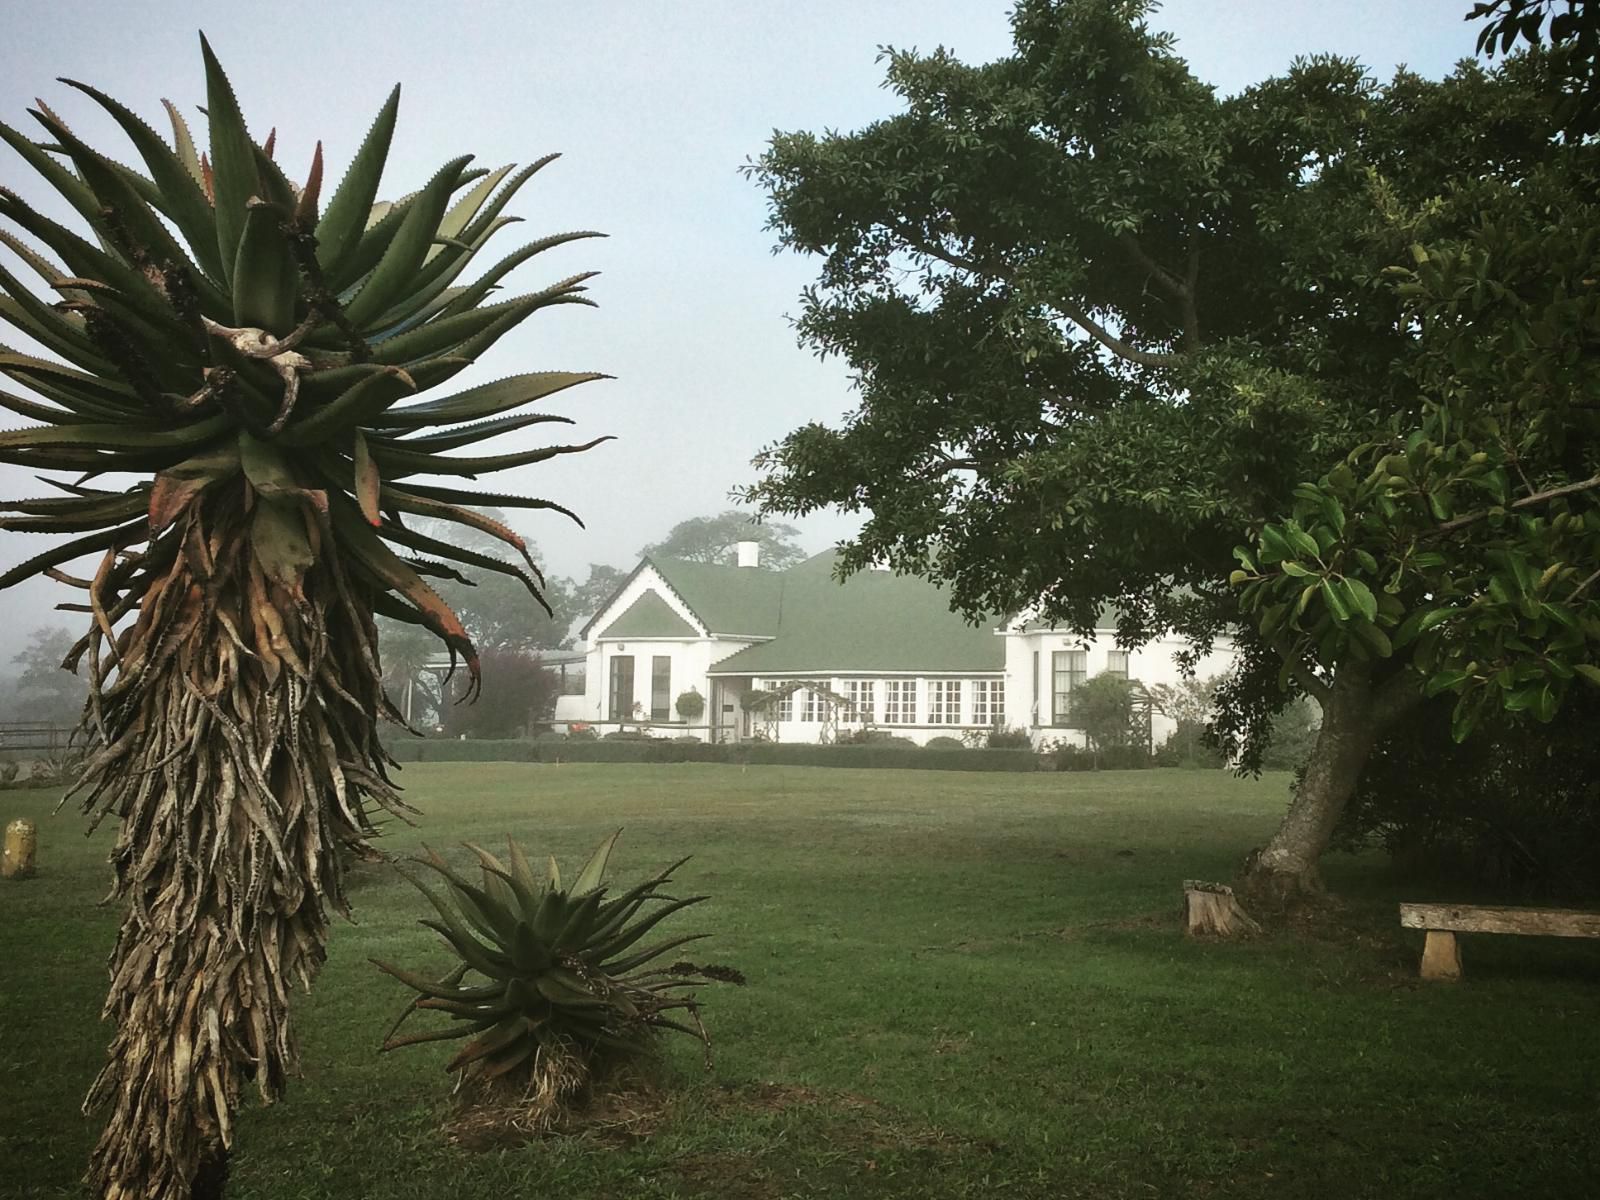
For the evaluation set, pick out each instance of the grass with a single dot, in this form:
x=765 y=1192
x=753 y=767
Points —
x=960 y=985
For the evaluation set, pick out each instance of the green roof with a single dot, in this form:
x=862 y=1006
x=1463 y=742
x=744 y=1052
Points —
x=728 y=600
x=874 y=621
x=647 y=617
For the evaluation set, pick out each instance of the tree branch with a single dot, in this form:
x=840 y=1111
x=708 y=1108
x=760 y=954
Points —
x=1396 y=696
x=1077 y=315
x=1556 y=493
x=1303 y=675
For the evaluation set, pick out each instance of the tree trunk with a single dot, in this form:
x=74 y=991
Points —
x=238 y=749
x=1352 y=718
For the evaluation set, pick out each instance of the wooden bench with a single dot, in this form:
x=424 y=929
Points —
x=1441 y=958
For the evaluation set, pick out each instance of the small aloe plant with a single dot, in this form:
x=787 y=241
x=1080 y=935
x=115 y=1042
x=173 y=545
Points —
x=553 y=981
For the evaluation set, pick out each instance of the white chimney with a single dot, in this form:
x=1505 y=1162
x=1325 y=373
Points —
x=749 y=553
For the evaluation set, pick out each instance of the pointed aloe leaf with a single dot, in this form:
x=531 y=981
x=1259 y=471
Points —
x=397 y=270
x=493 y=1041
x=114 y=437
x=480 y=431
x=509 y=1060
x=234 y=178
x=488 y=399
x=594 y=870
x=655 y=950
x=411 y=539
x=447 y=1034
x=607 y=952
x=461 y=213
x=522 y=875
x=398 y=464
x=460 y=516
x=76 y=514
x=367 y=482
x=266 y=278
x=480 y=288
x=34 y=411
x=177 y=180
x=65 y=552
x=183 y=146
x=437 y=990
x=72 y=189
x=491 y=212
x=55 y=330
x=375 y=388
x=487 y=499
x=345 y=218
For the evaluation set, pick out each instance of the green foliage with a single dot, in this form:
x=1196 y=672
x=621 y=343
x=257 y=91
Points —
x=1111 y=758
x=552 y=979
x=225 y=331
x=1574 y=33
x=944 y=743
x=896 y=755
x=1009 y=739
x=518 y=692
x=690 y=705
x=1103 y=707
x=712 y=540
x=1514 y=809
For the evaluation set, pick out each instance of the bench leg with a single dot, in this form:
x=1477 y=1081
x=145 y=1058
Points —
x=1441 y=957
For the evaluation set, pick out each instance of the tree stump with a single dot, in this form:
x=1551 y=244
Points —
x=22 y=844
x=1210 y=910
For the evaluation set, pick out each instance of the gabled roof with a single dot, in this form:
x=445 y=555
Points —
x=730 y=601
x=874 y=621
x=648 y=617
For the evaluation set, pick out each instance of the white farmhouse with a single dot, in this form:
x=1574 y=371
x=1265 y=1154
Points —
x=796 y=656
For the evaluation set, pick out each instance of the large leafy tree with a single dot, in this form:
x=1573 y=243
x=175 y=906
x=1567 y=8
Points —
x=1110 y=327
x=257 y=362
x=43 y=691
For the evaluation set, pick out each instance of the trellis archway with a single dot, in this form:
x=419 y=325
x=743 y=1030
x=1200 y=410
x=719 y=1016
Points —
x=764 y=705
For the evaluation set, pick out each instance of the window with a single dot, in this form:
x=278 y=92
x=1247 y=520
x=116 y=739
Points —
x=1035 y=687
x=944 y=702
x=811 y=710
x=621 y=707
x=785 y=707
x=661 y=688
x=860 y=694
x=1117 y=662
x=900 y=702
x=989 y=703
x=1069 y=668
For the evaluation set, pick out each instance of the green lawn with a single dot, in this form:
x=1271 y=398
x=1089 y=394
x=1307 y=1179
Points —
x=960 y=985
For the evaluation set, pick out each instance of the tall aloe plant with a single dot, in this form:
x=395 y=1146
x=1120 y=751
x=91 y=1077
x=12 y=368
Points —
x=258 y=363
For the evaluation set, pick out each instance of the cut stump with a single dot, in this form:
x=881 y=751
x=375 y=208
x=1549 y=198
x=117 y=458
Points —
x=22 y=844
x=1211 y=910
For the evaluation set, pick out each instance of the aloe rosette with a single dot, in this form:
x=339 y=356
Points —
x=552 y=980
x=248 y=389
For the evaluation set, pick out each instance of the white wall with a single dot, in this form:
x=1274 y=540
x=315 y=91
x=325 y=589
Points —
x=920 y=730
x=1153 y=663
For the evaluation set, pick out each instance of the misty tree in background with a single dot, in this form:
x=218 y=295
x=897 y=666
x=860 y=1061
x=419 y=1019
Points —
x=712 y=540
x=43 y=691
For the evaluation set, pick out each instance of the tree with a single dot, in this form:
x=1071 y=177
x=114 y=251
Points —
x=1190 y=704
x=44 y=690
x=1103 y=708
x=1574 y=29
x=257 y=363
x=1106 y=323
x=518 y=692
x=602 y=582
x=712 y=540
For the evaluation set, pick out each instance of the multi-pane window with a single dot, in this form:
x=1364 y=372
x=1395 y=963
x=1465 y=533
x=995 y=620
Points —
x=900 y=702
x=1068 y=669
x=785 y=710
x=811 y=709
x=859 y=692
x=621 y=706
x=944 y=702
x=989 y=703
x=1117 y=662
x=661 y=687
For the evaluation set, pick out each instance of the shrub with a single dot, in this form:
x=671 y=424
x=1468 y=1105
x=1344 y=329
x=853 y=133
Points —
x=1515 y=808
x=944 y=743
x=626 y=735
x=552 y=985
x=1109 y=758
x=517 y=692
x=8 y=773
x=690 y=705
x=1009 y=739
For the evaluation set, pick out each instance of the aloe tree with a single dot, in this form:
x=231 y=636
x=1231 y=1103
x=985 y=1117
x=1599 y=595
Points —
x=257 y=363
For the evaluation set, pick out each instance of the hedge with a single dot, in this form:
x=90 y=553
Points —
x=661 y=750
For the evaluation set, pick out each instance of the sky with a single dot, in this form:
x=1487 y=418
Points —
x=654 y=107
